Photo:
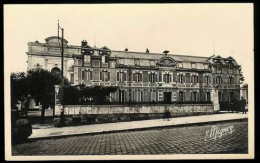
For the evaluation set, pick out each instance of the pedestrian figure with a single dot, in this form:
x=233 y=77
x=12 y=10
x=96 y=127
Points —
x=243 y=105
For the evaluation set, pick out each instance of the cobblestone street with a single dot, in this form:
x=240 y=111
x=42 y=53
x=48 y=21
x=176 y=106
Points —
x=174 y=140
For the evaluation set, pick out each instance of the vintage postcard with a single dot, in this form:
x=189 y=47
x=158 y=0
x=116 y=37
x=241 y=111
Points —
x=129 y=81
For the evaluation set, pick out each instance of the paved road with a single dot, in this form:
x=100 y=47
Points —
x=175 y=140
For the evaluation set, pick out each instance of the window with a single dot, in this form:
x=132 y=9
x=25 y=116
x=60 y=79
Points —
x=86 y=59
x=230 y=80
x=195 y=79
x=207 y=94
x=181 y=78
x=137 y=77
x=121 y=76
x=79 y=73
x=180 y=65
x=207 y=79
x=95 y=63
x=79 y=62
x=206 y=66
x=105 y=76
x=218 y=80
x=137 y=96
x=152 y=63
x=194 y=96
x=72 y=78
x=193 y=65
x=152 y=77
x=218 y=67
x=121 y=97
x=167 y=78
x=137 y=62
x=86 y=75
x=181 y=96
x=104 y=59
x=230 y=66
x=153 y=96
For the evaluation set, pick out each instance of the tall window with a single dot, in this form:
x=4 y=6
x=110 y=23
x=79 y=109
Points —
x=137 y=77
x=86 y=75
x=86 y=59
x=79 y=62
x=152 y=77
x=218 y=67
x=194 y=79
x=207 y=79
x=218 y=80
x=194 y=96
x=105 y=76
x=121 y=97
x=181 y=95
x=167 y=78
x=207 y=96
x=181 y=78
x=138 y=96
x=104 y=59
x=230 y=66
x=121 y=76
x=72 y=78
x=230 y=80
x=153 y=96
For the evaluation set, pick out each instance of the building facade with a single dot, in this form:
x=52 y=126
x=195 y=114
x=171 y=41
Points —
x=140 y=76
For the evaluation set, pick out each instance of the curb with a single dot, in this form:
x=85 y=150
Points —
x=137 y=129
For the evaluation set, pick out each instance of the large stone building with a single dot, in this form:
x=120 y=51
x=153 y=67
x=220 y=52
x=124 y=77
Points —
x=140 y=76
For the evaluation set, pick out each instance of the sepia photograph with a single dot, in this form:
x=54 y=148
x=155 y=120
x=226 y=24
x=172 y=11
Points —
x=129 y=81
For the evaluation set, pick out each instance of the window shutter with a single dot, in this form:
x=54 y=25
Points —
x=117 y=76
x=90 y=74
x=184 y=81
x=170 y=76
x=141 y=77
x=149 y=77
x=100 y=76
x=155 y=77
x=108 y=76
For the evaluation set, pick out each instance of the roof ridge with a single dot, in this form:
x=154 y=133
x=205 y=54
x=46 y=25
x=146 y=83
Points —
x=160 y=54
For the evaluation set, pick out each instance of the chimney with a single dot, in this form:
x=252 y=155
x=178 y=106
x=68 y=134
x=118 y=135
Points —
x=147 y=51
x=84 y=43
x=126 y=49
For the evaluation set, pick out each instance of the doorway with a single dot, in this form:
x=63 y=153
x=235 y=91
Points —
x=167 y=97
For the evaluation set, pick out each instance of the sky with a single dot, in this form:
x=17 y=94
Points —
x=184 y=29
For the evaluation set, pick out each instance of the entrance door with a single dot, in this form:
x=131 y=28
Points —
x=167 y=97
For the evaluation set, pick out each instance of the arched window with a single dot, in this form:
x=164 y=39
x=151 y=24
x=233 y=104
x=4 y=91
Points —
x=56 y=71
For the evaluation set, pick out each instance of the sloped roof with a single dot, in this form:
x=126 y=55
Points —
x=157 y=56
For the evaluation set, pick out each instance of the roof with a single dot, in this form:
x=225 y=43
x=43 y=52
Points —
x=157 y=56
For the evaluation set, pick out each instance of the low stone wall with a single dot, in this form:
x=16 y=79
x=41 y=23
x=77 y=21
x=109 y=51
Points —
x=115 y=113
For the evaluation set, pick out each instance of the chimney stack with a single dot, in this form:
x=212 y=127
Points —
x=84 y=43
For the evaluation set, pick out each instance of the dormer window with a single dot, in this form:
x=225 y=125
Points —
x=218 y=67
x=104 y=59
x=86 y=59
x=230 y=66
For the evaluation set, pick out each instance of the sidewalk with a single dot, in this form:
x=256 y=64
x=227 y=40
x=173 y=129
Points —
x=133 y=125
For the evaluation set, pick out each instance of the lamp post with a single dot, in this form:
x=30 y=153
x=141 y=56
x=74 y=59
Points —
x=62 y=78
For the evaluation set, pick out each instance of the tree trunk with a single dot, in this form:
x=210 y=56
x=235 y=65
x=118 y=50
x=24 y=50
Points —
x=42 y=113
